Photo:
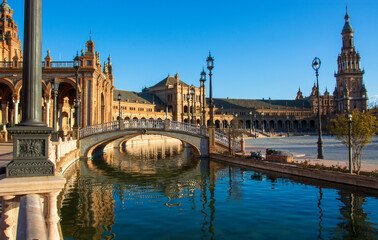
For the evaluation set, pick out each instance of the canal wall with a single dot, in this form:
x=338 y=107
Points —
x=336 y=177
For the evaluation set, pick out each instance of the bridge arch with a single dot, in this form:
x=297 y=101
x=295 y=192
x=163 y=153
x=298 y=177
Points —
x=88 y=144
x=94 y=136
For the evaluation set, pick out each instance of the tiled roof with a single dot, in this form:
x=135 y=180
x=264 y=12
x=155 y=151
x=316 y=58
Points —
x=141 y=97
x=169 y=81
x=258 y=104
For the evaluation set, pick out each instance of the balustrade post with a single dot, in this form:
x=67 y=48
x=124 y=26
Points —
x=211 y=138
x=242 y=145
x=167 y=124
x=52 y=218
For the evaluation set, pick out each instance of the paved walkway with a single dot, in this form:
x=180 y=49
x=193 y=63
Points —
x=6 y=153
x=301 y=158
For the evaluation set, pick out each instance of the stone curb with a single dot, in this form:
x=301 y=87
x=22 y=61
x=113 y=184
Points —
x=337 y=177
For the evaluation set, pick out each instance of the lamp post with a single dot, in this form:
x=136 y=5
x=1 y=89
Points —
x=316 y=65
x=210 y=66
x=223 y=118
x=262 y=117
x=119 y=106
x=350 y=142
x=188 y=98
x=229 y=138
x=236 y=120
x=77 y=64
x=192 y=94
x=55 y=90
x=202 y=81
x=287 y=125
x=250 y=122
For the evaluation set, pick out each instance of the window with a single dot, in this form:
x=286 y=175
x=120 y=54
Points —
x=89 y=62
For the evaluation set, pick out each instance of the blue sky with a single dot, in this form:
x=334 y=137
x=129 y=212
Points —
x=262 y=49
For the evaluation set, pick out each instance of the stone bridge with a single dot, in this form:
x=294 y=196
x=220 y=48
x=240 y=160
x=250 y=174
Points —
x=198 y=137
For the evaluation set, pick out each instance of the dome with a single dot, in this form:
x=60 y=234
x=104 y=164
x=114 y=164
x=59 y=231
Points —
x=347 y=27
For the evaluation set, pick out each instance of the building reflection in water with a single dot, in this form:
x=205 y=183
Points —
x=87 y=203
x=168 y=176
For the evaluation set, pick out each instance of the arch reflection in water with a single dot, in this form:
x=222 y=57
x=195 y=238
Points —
x=123 y=196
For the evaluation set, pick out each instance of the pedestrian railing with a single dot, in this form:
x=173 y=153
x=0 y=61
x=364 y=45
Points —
x=159 y=125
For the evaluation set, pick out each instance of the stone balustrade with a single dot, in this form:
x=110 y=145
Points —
x=29 y=207
x=29 y=204
x=61 y=148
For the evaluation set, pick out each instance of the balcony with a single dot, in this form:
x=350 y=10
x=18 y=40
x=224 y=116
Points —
x=53 y=64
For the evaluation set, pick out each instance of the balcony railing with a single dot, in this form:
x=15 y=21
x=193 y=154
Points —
x=53 y=64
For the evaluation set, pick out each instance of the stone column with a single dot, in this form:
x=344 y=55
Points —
x=47 y=101
x=4 y=115
x=60 y=117
x=71 y=118
x=8 y=220
x=15 y=104
x=52 y=218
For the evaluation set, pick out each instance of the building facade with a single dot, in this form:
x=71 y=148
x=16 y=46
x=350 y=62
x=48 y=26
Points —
x=91 y=88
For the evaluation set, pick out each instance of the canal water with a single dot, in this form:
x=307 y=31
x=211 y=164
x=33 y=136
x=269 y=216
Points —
x=162 y=191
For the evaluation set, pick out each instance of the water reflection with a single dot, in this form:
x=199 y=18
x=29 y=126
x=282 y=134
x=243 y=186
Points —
x=354 y=222
x=163 y=192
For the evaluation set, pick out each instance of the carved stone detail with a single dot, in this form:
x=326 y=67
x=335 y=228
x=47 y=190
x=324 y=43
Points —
x=31 y=148
x=30 y=168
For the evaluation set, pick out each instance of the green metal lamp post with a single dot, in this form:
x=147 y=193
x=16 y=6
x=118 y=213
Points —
x=203 y=80
x=193 y=107
x=210 y=66
x=119 y=106
x=77 y=64
x=316 y=65
x=350 y=142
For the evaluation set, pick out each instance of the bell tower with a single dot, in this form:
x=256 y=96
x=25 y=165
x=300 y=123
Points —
x=350 y=92
x=10 y=44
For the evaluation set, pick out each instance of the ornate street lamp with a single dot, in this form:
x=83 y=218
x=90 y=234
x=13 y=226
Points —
x=55 y=90
x=192 y=93
x=223 y=118
x=210 y=66
x=236 y=121
x=77 y=64
x=316 y=65
x=350 y=142
x=250 y=122
x=188 y=98
x=202 y=81
x=287 y=125
x=119 y=106
x=229 y=137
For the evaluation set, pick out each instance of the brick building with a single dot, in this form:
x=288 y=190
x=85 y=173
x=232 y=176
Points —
x=170 y=98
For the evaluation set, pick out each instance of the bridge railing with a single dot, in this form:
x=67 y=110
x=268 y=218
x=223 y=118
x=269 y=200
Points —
x=224 y=139
x=187 y=127
x=99 y=128
x=158 y=124
x=143 y=123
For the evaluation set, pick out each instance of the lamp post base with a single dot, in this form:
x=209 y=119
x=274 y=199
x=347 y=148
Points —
x=320 y=150
x=30 y=152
